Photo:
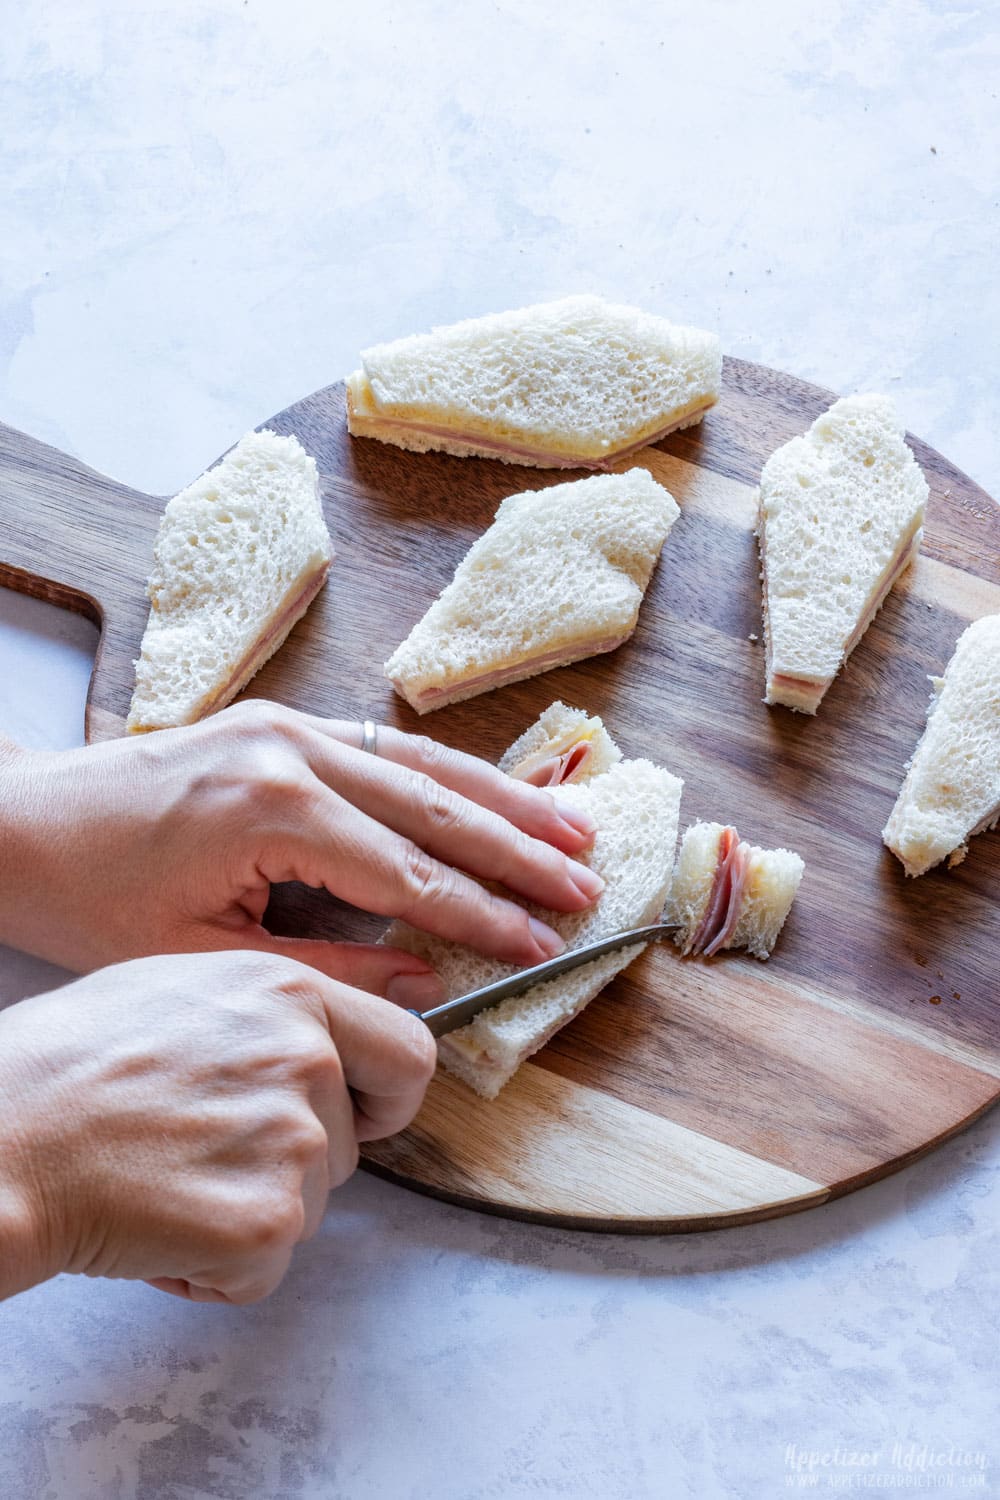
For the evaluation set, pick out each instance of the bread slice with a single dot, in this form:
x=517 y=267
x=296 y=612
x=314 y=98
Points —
x=841 y=516
x=728 y=894
x=576 y=383
x=564 y=744
x=558 y=576
x=952 y=787
x=635 y=805
x=238 y=559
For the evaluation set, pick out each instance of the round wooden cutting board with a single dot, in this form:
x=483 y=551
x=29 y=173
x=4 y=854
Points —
x=692 y=1093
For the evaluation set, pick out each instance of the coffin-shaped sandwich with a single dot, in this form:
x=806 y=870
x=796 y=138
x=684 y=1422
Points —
x=952 y=787
x=576 y=383
x=841 y=517
x=635 y=806
x=238 y=559
x=558 y=576
x=730 y=894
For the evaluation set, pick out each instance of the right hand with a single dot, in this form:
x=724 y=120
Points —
x=181 y=1120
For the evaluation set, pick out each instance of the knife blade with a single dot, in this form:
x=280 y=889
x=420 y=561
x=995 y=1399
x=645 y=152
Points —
x=459 y=1012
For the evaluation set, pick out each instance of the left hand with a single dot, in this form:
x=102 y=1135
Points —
x=169 y=842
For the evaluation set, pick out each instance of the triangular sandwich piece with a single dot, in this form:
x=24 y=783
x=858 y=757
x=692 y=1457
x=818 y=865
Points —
x=635 y=806
x=558 y=576
x=841 y=516
x=576 y=383
x=952 y=786
x=239 y=557
x=562 y=745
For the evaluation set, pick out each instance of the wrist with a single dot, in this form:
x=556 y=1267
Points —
x=26 y=1254
x=32 y=837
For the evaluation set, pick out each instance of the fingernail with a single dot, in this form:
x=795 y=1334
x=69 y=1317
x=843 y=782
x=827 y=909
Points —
x=546 y=937
x=415 y=991
x=587 y=881
x=579 y=821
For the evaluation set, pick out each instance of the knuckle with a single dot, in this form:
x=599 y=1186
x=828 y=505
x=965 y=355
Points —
x=431 y=755
x=250 y=1229
x=278 y=1222
x=424 y=879
x=441 y=807
x=254 y=716
x=283 y=784
x=307 y=1141
x=314 y=1060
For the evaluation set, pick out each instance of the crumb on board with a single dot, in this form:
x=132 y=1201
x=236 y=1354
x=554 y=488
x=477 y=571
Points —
x=752 y=636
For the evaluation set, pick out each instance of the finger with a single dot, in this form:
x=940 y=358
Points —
x=334 y=1107
x=392 y=973
x=249 y=1280
x=532 y=810
x=454 y=829
x=176 y=1286
x=387 y=1055
x=330 y=843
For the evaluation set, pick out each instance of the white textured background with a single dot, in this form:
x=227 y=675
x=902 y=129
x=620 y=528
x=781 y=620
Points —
x=206 y=209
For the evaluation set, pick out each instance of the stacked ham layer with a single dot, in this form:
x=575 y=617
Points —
x=730 y=894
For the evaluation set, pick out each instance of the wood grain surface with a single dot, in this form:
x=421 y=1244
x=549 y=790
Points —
x=692 y=1093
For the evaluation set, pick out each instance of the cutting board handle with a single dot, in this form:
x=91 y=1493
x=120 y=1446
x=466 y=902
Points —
x=78 y=539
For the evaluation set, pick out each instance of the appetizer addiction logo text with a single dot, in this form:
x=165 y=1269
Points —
x=903 y=1466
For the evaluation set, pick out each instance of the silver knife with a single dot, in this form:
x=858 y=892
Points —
x=455 y=1013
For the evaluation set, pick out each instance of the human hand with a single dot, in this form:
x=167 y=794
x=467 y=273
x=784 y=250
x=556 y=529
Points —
x=181 y=1120
x=169 y=842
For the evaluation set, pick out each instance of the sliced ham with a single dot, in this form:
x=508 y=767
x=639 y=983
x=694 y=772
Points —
x=481 y=682
x=739 y=864
x=269 y=642
x=718 y=896
x=534 y=454
x=552 y=768
x=725 y=900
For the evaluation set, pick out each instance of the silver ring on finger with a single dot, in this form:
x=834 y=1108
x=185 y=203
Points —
x=369 y=737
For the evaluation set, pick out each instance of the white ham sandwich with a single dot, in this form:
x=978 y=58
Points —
x=558 y=576
x=841 y=513
x=578 y=383
x=239 y=557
